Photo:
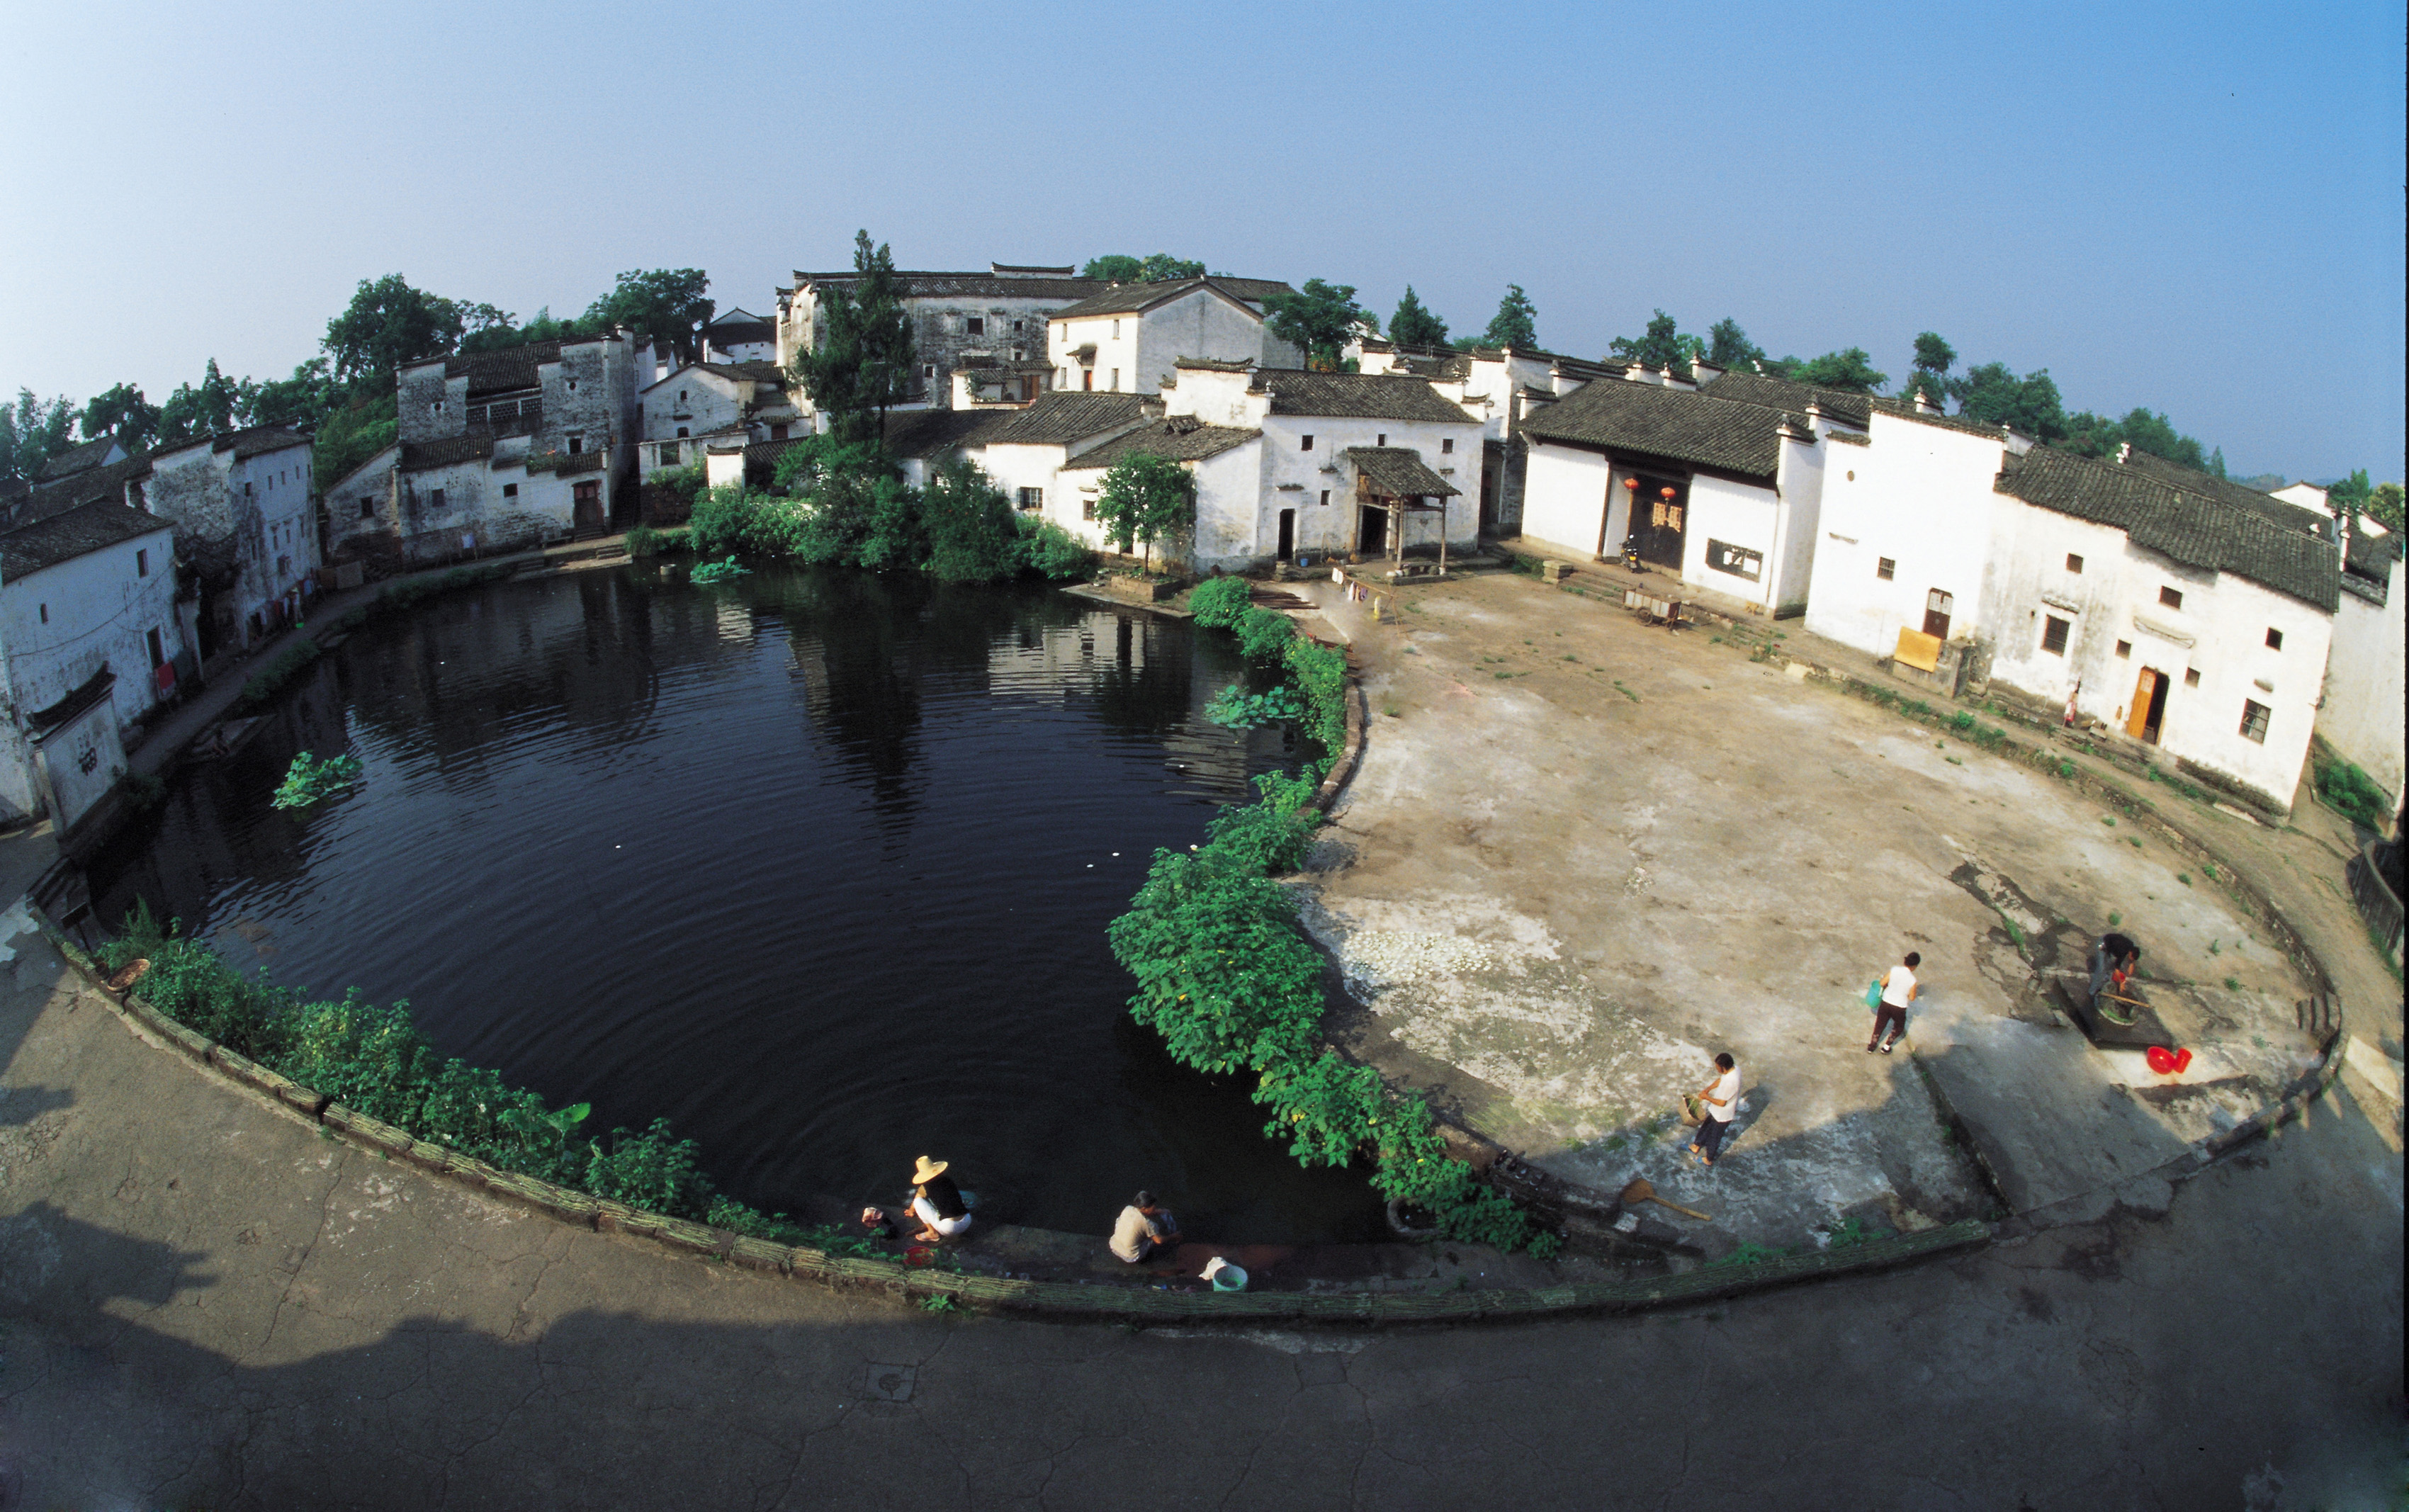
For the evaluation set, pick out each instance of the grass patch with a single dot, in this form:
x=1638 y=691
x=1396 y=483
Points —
x=1624 y=691
x=2349 y=791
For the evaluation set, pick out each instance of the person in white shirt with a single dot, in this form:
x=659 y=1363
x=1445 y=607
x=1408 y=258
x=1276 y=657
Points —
x=1899 y=989
x=1721 y=1098
x=1142 y=1228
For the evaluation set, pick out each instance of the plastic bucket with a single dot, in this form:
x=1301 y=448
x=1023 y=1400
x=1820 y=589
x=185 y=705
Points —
x=1230 y=1278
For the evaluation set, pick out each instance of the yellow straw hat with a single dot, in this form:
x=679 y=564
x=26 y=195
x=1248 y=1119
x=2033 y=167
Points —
x=925 y=1170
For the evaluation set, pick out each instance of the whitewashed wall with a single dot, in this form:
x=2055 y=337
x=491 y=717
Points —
x=1919 y=495
x=2363 y=713
x=100 y=608
x=690 y=403
x=1564 y=494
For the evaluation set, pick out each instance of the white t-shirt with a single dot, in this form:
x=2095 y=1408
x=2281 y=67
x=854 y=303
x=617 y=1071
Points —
x=1898 y=987
x=1726 y=1088
x=1133 y=1226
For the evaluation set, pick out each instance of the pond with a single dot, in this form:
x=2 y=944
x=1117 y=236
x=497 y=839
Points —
x=817 y=865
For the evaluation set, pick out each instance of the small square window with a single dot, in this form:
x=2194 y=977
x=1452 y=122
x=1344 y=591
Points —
x=1383 y=440
x=2074 y=562
x=510 y=490
x=2124 y=650
x=1032 y=498
x=368 y=508
x=2274 y=639
x=680 y=436
x=927 y=369
x=975 y=326
x=1087 y=505
x=2052 y=634
x=2172 y=597
x=576 y=445
x=1447 y=446
x=2191 y=677
x=1307 y=445
x=2253 y=721
x=1326 y=495
x=1885 y=568
x=437 y=498
x=1016 y=327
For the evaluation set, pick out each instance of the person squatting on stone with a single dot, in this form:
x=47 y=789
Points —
x=936 y=1201
x=1721 y=1098
x=2113 y=963
x=1899 y=989
x=1142 y=1228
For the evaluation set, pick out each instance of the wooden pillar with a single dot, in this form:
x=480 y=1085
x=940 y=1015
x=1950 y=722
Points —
x=1442 y=535
x=1397 y=532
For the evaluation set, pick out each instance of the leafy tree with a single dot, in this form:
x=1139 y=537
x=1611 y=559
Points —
x=305 y=398
x=2349 y=493
x=1318 y=319
x=353 y=434
x=1728 y=345
x=1414 y=325
x=2384 y=506
x=122 y=413
x=1162 y=267
x=1147 y=498
x=973 y=534
x=192 y=415
x=665 y=304
x=1516 y=323
x=860 y=362
x=543 y=327
x=32 y=433
x=389 y=323
x=1663 y=346
x=1850 y=371
x=1116 y=268
x=1934 y=357
x=1992 y=393
x=2142 y=429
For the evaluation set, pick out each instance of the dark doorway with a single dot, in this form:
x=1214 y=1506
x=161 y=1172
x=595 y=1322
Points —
x=1288 y=533
x=588 y=500
x=1938 y=607
x=1372 y=530
x=158 y=652
x=1660 y=508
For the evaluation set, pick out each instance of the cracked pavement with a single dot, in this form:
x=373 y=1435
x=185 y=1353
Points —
x=205 y=1303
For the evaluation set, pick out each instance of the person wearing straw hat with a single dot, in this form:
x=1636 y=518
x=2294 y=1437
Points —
x=936 y=1201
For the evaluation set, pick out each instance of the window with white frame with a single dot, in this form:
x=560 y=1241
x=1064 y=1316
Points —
x=2254 y=720
x=1032 y=498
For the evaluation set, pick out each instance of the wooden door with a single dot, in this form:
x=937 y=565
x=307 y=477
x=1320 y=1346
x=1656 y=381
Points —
x=1938 y=607
x=588 y=500
x=2145 y=691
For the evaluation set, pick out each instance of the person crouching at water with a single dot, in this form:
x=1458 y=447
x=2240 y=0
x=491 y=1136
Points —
x=1142 y=1227
x=936 y=1201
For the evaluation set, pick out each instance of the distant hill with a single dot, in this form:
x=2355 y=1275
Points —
x=2266 y=483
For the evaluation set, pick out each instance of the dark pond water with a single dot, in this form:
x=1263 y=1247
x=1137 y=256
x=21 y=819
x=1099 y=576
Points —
x=817 y=865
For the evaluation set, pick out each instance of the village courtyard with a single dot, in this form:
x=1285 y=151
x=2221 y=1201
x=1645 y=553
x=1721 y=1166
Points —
x=1584 y=853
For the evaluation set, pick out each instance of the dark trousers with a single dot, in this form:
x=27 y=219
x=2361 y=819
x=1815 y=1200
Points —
x=1890 y=1016
x=1710 y=1136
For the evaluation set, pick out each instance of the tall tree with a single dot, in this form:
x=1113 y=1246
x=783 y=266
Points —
x=860 y=362
x=122 y=413
x=1116 y=268
x=389 y=323
x=2384 y=507
x=1318 y=319
x=195 y=414
x=1992 y=393
x=1147 y=498
x=1662 y=345
x=666 y=304
x=1850 y=371
x=1414 y=325
x=1162 y=267
x=1934 y=357
x=1516 y=323
x=1728 y=345
x=32 y=432
x=305 y=398
x=2350 y=493
x=2143 y=430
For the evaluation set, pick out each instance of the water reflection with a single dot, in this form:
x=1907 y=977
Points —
x=817 y=865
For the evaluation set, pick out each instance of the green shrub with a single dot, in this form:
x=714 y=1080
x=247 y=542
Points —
x=1238 y=709
x=973 y=535
x=1218 y=602
x=1051 y=552
x=2352 y=793
x=310 y=779
x=643 y=542
x=654 y=1171
x=707 y=573
x=1320 y=673
x=1263 y=634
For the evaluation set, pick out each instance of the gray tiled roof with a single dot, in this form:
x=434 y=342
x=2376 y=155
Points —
x=257 y=440
x=1061 y=417
x=930 y=433
x=2277 y=512
x=1906 y=409
x=1180 y=438
x=1398 y=472
x=1781 y=394
x=1681 y=424
x=1128 y=298
x=81 y=458
x=1295 y=391
x=417 y=457
x=496 y=372
x=72 y=533
x=753 y=373
x=2191 y=527
x=46 y=499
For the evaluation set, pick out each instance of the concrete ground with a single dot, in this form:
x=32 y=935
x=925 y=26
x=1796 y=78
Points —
x=204 y=1303
x=1582 y=854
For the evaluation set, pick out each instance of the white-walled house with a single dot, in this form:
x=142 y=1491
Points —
x=733 y=335
x=2177 y=610
x=2364 y=711
x=1025 y=450
x=497 y=450
x=1290 y=463
x=712 y=401
x=1502 y=387
x=90 y=637
x=246 y=517
x=1128 y=338
x=1000 y=313
x=1721 y=488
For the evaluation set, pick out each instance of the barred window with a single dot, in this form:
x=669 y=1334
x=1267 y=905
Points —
x=1032 y=498
x=1885 y=568
x=2253 y=721
x=2052 y=634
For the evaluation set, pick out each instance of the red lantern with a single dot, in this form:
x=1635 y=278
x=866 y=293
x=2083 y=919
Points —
x=1665 y=494
x=1631 y=485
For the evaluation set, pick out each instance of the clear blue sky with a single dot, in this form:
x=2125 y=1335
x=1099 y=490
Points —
x=2198 y=206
